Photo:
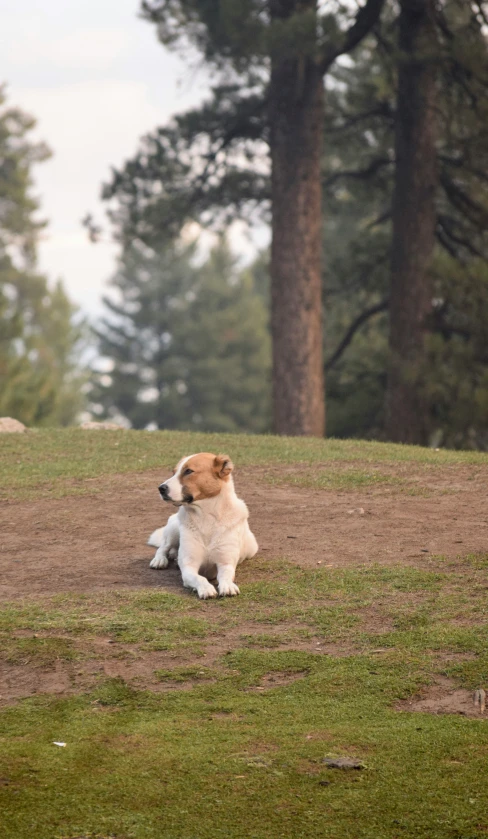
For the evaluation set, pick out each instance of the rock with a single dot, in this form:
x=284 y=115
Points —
x=343 y=763
x=101 y=426
x=10 y=425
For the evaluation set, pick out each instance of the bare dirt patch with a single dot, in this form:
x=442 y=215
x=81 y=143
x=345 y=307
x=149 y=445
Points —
x=96 y=542
x=443 y=697
x=277 y=679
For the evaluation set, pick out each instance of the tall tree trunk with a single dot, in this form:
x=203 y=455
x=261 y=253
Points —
x=414 y=218
x=296 y=123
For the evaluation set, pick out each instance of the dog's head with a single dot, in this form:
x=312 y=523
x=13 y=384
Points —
x=197 y=477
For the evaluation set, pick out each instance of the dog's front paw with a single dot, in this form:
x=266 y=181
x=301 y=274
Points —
x=228 y=589
x=160 y=559
x=206 y=590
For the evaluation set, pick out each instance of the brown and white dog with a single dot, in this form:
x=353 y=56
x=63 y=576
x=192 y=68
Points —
x=210 y=530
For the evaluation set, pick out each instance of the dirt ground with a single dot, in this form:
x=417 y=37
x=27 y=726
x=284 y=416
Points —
x=97 y=542
x=93 y=542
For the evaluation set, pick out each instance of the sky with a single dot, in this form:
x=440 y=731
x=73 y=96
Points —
x=96 y=78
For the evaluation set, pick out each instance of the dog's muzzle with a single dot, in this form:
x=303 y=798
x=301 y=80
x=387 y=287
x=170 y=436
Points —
x=163 y=489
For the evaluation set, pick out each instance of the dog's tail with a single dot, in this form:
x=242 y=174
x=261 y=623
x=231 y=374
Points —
x=156 y=538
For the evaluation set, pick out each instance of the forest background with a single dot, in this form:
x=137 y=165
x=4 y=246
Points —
x=385 y=238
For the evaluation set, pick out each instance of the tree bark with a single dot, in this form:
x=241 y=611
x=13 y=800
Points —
x=296 y=125
x=414 y=220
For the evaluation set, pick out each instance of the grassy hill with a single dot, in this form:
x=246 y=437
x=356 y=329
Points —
x=188 y=719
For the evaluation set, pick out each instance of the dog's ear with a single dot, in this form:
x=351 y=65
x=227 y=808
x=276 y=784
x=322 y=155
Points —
x=223 y=465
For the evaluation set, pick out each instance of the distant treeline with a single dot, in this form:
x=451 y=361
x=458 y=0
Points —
x=363 y=142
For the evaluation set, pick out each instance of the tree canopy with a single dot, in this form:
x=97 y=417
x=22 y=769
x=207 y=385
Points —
x=40 y=336
x=188 y=343
x=212 y=164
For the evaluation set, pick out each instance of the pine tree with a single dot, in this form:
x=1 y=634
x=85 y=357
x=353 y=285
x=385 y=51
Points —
x=211 y=164
x=40 y=340
x=188 y=344
x=273 y=57
x=413 y=217
x=361 y=119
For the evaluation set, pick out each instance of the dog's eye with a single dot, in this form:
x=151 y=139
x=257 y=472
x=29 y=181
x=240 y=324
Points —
x=187 y=472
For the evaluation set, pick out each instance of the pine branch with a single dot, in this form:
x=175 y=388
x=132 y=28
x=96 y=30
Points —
x=360 y=174
x=383 y=109
x=445 y=242
x=447 y=226
x=384 y=216
x=355 y=325
x=366 y=18
x=475 y=212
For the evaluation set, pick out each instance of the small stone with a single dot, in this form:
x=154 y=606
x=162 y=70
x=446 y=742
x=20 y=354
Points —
x=343 y=763
x=11 y=426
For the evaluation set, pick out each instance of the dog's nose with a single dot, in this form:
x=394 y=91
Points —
x=163 y=489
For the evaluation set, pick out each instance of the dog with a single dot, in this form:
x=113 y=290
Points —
x=210 y=532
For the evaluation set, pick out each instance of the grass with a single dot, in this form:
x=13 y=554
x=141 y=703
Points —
x=226 y=757
x=54 y=463
x=227 y=735
x=337 y=479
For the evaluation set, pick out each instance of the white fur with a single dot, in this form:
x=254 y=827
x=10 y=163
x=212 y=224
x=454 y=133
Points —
x=174 y=483
x=206 y=534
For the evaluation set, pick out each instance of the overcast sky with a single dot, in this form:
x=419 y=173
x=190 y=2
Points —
x=96 y=79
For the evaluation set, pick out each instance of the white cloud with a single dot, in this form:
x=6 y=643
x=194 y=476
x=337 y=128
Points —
x=84 y=268
x=93 y=48
x=91 y=126
x=94 y=90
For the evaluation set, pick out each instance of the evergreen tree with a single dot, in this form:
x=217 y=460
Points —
x=362 y=114
x=413 y=217
x=188 y=345
x=211 y=164
x=39 y=339
x=274 y=56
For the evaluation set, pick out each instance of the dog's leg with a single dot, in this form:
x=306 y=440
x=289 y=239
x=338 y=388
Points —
x=225 y=579
x=226 y=560
x=191 y=557
x=192 y=579
x=170 y=540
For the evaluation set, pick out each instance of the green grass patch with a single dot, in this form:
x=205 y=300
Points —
x=151 y=620
x=337 y=479
x=43 y=652
x=54 y=463
x=223 y=760
x=411 y=609
x=187 y=674
x=238 y=751
x=267 y=641
x=471 y=674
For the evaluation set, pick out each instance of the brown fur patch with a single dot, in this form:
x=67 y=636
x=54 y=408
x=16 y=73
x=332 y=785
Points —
x=207 y=473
